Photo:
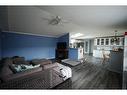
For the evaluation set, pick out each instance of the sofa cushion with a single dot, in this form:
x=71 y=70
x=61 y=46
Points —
x=41 y=61
x=5 y=70
x=21 y=74
x=7 y=61
x=50 y=66
x=19 y=60
x=35 y=61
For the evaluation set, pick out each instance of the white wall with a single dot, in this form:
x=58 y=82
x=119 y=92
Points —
x=91 y=45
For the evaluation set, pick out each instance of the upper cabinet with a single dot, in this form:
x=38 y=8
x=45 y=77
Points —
x=102 y=41
x=108 y=41
x=98 y=41
x=111 y=43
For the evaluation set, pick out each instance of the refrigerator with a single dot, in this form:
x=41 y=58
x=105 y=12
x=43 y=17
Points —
x=125 y=63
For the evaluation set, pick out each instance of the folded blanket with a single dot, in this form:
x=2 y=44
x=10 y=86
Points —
x=65 y=71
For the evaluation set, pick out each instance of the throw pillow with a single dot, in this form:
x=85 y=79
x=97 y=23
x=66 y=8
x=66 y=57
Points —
x=20 y=60
x=19 y=68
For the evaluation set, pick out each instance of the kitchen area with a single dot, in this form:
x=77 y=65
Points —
x=113 y=46
x=76 y=49
x=107 y=44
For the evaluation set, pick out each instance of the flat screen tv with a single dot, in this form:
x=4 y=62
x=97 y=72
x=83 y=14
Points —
x=61 y=45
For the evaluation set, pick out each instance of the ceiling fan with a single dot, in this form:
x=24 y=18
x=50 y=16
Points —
x=56 y=20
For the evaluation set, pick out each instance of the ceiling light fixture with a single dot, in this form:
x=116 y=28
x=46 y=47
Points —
x=76 y=35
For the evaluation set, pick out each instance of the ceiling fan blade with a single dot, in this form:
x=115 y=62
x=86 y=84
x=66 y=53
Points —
x=46 y=19
x=65 y=21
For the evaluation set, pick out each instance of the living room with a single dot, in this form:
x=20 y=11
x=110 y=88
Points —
x=67 y=35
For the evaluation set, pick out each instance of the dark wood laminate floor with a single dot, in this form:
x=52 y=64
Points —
x=92 y=75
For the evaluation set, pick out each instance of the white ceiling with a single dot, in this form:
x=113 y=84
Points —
x=92 y=21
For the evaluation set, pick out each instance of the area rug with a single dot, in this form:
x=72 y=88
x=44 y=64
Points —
x=71 y=62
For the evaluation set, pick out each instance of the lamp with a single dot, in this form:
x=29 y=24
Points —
x=115 y=39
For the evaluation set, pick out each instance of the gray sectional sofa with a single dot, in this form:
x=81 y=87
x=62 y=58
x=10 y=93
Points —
x=44 y=76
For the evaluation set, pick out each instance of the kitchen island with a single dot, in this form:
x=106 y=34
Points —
x=99 y=54
x=116 y=61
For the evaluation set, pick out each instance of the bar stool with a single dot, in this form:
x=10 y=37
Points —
x=106 y=57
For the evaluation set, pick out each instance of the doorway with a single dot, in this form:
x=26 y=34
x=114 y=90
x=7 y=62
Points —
x=88 y=46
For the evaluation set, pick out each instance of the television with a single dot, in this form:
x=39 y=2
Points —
x=61 y=45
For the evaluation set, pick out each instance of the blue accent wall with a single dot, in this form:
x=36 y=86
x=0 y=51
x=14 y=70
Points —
x=28 y=46
x=64 y=38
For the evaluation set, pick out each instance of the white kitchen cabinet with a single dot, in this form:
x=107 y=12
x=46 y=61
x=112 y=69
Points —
x=95 y=42
x=98 y=41
x=111 y=43
x=102 y=41
x=107 y=42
